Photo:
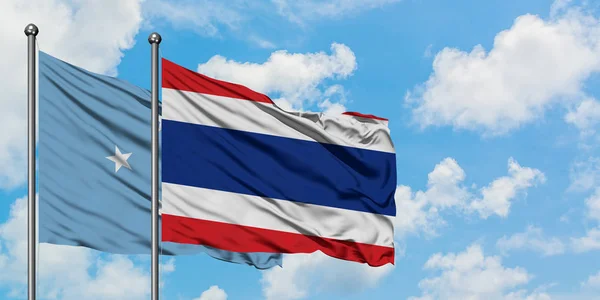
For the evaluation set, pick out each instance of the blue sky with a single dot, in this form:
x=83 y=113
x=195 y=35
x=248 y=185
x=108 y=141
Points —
x=493 y=109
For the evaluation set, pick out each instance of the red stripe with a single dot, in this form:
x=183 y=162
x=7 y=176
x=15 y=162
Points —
x=356 y=114
x=177 y=77
x=238 y=238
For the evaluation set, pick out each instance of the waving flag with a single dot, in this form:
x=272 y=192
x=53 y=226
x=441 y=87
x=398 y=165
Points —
x=94 y=166
x=241 y=174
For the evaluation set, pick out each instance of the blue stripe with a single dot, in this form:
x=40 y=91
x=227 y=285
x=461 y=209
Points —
x=277 y=167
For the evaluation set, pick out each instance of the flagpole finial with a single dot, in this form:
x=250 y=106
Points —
x=154 y=38
x=31 y=29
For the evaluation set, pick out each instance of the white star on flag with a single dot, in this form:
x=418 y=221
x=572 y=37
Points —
x=120 y=159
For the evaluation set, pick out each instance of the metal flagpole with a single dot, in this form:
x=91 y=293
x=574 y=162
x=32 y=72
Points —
x=31 y=32
x=154 y=39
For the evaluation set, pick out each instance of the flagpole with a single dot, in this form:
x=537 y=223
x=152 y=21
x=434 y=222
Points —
x=154 y=39
x=31 y=32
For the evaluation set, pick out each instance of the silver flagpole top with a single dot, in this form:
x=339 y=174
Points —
x=154 y=38
x=31 y=29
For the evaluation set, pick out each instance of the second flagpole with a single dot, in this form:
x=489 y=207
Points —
x=31 y=31
x=154 y=39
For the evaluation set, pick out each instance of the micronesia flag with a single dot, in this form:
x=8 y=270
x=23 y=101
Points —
x=241 y=174
x=95 y=168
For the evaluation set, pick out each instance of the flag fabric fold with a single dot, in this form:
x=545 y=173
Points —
x=241 y=174
x=94 y=166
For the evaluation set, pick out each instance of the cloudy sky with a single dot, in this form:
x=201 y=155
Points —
x=494 y=112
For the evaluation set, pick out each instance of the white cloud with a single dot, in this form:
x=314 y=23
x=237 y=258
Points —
x=414 y=214
x=586 y=117
x=428 y=52
x=420 y=211
x=532 y=239
x=168 y=266
x=68 y=30
x=589 y=242
x=523 y=295
x=215 y=18
x=213 y=293
x=210 y=17
x=117 y=278
x=301 y=11
x=585 y=175
x=443 y=182
x=533 y=65
x=304 y=274
x=261 y=42
x=66 y=272
x=588 y=291
x=296 y=77
x=593 y=282
x=201 y=16
x=592 y=204
x=559 y=6
x=497 y=196
x=472 y=275
x=333 y=100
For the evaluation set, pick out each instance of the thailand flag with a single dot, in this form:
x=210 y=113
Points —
x=241 y=174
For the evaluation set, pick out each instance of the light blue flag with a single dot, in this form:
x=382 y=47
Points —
x=94 y=166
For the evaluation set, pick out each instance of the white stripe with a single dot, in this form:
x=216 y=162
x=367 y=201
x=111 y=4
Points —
x=265 y=118
x=281 y=215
